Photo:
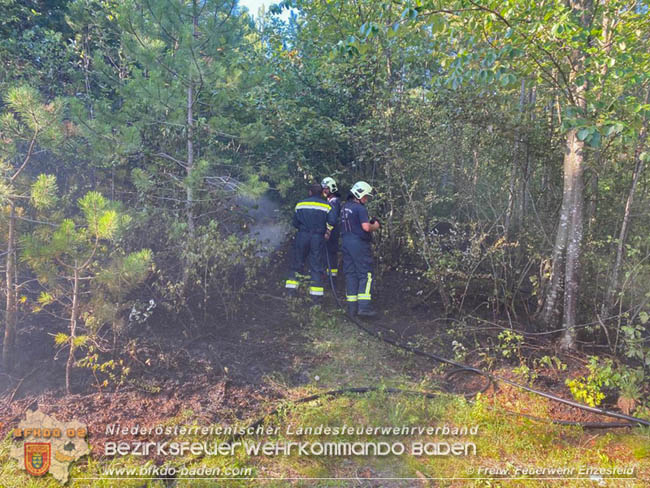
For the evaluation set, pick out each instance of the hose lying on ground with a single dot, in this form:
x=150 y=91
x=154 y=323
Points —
x=460 y=368
x=492 y=377
x=425 y=394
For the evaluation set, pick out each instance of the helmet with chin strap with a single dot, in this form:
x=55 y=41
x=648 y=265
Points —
x=361 y=189
x=330 y=184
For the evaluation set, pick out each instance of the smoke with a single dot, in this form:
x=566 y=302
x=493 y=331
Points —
x=268 y=226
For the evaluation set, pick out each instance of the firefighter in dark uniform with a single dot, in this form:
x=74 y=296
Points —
x=331 y=254
x=314 y=219
x=356 y=228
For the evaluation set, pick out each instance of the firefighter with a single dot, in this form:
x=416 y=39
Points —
x=357 y=228
x=314 y=219
x=331 y=192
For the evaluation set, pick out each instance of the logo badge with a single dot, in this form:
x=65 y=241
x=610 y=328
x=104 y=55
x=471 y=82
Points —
x=37 y=457
x=46 y=445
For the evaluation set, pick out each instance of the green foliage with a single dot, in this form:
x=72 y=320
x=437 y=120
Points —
x=76 y=259
x=530 y=370
x=635 y=343
x=552 y=362
x=589 y=390
x=45 y=298
x=606 y=375
x=106 y=373
x=61 y=338
x=454 y=115
x=222 y=268
x=126 y=272
x=44 y=192
x=27 y=125
x=164 y=51
x=28 y=117
x=509 y=345
x=112 y=287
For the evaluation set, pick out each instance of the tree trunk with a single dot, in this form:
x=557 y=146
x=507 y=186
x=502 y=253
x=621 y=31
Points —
x=73 y=328
x=189 y=168
x=513 y=216
x=11 y=311
x=512 y=219
x=566 y=252
x=592 y=205
x=86 y=65
x=190 y=161
x=612 y=288
x=574 y=168
x=507 y=224
x=550 y=312
x=526 y=171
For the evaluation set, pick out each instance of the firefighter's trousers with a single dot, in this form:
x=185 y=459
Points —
x=332 y=252
x=357 y=266
x=308 y=245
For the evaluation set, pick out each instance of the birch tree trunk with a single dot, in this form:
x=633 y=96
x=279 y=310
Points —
x=574 y=169
x=550 y=312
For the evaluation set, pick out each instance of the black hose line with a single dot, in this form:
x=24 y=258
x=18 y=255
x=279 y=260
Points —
x=425 y=394
x=459 y=369
x=573 y=423
x=492 y=377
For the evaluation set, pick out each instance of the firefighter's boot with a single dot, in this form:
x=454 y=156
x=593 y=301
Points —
x=365 y=310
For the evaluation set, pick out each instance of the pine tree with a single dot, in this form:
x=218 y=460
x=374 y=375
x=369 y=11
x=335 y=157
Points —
x=76 y=253
x=27 y=126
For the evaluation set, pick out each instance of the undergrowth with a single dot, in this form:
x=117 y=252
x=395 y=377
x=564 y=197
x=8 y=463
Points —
x=506 y=445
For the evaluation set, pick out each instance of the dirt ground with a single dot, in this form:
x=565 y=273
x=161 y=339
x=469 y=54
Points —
x=222 y=376
x=233 y=371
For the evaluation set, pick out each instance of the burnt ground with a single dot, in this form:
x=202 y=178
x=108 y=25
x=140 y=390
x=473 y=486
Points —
x=225 y=375
x=225 y=371
x=236 y=370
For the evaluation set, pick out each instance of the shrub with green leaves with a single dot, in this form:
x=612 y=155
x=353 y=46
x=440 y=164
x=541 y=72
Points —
x=219 y=269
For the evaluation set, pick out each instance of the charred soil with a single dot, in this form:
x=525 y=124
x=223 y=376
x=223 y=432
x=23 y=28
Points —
x=228 y=371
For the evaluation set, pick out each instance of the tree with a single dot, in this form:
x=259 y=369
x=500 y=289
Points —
x=173 y=118
x=33 y=45
x=180 y=51
x=568 y=49
x=71 y=256
x=26 y=126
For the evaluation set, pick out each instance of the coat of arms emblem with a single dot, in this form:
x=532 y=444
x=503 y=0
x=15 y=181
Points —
x=37 y=457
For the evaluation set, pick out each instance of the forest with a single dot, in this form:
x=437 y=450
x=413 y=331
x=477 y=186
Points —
x=152 y=153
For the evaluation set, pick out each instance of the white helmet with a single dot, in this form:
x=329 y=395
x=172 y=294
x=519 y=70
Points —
x=361 y=189
x=330 y=184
